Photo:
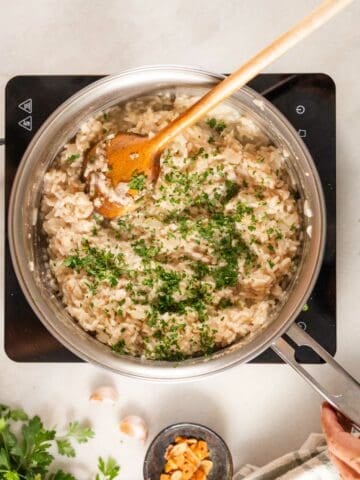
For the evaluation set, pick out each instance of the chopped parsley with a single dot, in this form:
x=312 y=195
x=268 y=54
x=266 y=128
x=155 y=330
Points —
x=138 y=182
x=166 y=292
x=102 y=265
x=167 y=347
x=217 y=125
x=232 y=189
x=98 y=218
x=119 y=347
x=259 y=193
x=225 y=303
x=200 y=269
x=72 y=158
x=123 y=227
x=207 y=208
x=241 y=210
x=144 y=250
x=274 y=233
x=207 y=339
x=200 y=153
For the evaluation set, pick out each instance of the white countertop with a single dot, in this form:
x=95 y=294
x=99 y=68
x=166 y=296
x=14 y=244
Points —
x=262 y=411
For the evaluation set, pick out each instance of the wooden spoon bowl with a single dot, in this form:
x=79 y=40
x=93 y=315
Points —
x=129 y=154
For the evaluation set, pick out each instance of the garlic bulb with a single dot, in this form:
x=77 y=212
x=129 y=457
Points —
x=106 y=394
x=134 y=426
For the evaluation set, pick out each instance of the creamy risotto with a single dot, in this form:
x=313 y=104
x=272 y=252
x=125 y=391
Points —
x=203 y=262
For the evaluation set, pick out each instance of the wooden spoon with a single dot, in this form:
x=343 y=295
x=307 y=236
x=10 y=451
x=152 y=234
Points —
x=128 y=154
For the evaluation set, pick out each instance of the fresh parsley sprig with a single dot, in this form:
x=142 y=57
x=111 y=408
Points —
x=25 y=453
x=75 y=432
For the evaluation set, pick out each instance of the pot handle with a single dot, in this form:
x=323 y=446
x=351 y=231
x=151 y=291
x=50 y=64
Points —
x=343 y=394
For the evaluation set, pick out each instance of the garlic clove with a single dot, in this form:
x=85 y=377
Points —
x=104 y=394
x=134 y=426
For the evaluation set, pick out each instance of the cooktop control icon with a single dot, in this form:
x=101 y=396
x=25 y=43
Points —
x=26 y=105
x=300 y=109
x=26 y=123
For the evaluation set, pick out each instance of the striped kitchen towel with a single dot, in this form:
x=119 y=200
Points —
x=309 y=463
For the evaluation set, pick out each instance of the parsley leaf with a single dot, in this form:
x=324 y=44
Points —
x=15 y=414
x=76 y=432
x=65 y=448
x=18 y=414
x=11 y=475
x=108 y=469
x=61 y=475
x=79 y=433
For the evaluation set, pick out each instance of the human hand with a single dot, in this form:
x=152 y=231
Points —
x=344 y=448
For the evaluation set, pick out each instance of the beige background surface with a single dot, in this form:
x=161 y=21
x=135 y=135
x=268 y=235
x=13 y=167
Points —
x=262 y=411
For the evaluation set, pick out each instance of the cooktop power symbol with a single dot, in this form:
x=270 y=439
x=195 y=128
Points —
x=26 y=105
x=26 y=123
x=300 y=109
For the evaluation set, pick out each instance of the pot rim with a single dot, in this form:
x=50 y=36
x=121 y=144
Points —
x=188 y=369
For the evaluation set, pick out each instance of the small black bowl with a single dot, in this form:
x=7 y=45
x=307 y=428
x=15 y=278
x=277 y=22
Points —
x=219 y=452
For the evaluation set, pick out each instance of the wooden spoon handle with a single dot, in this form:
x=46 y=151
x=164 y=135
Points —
x=250 y=69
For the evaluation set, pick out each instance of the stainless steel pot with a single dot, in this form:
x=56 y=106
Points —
x=28 y=248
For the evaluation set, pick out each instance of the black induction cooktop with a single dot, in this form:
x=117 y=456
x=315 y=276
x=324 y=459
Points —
x=307 y=100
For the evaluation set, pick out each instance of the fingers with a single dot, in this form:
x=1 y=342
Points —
x=329 y=420
x=342 y=445
x=346 y=472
